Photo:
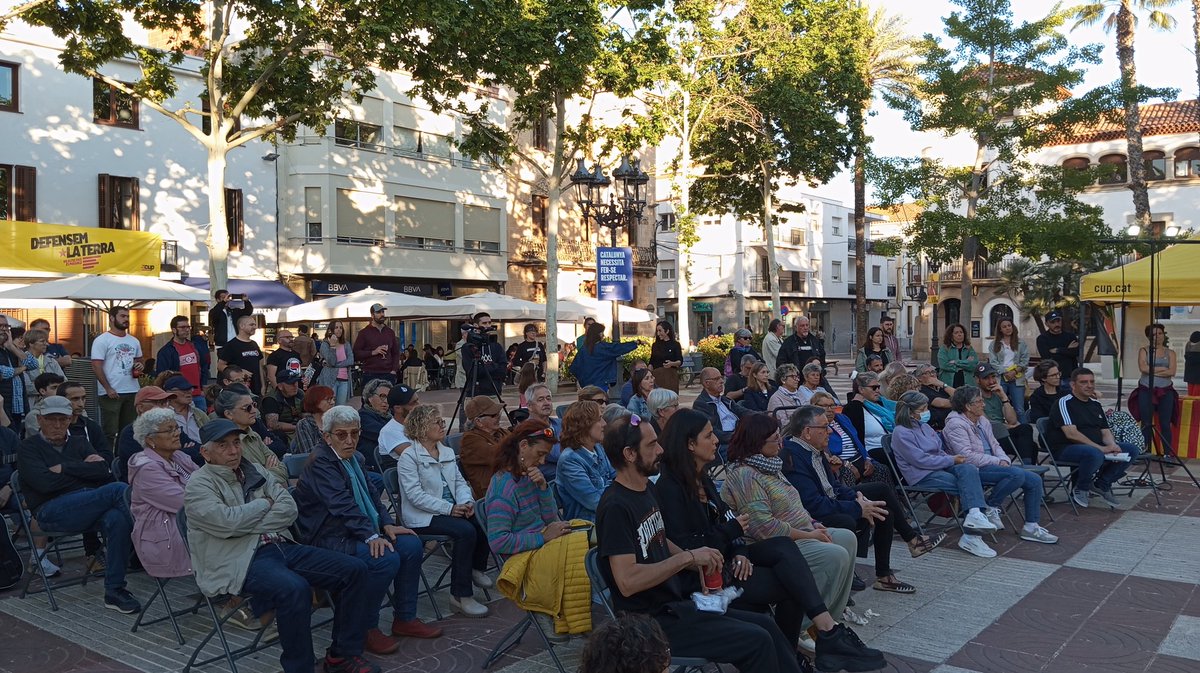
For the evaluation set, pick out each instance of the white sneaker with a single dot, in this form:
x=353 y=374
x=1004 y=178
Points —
x=1039 y=534
x=976 y=522
x=468 y=606
x=973 y=544
x=993 y=517
x=481 y=580
x=48 y=567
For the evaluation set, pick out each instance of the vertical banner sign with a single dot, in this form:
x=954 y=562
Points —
x=614 y=274
x=61 y=248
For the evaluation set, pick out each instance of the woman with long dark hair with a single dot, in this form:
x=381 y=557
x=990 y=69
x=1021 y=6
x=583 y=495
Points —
x=956 y=357
x=873 y=345
x=1010 y=356
x=770 y=572
x=595 y=364
x=666 y=356
x=337 y=357
x=643 y=382
x=1156 y=396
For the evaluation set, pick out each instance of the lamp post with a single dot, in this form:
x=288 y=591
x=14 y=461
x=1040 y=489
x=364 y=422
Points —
x=612 y=211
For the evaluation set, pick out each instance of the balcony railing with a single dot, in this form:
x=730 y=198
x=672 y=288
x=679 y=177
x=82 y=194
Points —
x=434 y=156
x=579 y=253
x=984 y=270
x=852 y=247
x=787 y=285
x=403 y=243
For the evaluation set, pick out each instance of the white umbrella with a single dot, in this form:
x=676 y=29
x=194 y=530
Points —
x=577 y=308
x=499 y=306
x=100 y=291
x=358 y=305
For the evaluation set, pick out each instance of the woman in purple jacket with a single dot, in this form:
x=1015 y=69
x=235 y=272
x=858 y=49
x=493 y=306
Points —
x=157 y=477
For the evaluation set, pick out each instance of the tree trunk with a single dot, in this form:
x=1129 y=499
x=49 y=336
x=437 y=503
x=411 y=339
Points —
x=683 y=186
x=1196 y=43
x=971 y=243
x=1133 y=124
x=861 y=315
x=218 y=234
x=768 y=175
x=553 y=202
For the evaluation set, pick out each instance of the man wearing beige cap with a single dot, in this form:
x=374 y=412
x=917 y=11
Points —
x=481 y=443
x=150 y=397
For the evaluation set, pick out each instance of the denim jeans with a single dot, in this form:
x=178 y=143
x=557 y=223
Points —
x=1093 y=470
x=281 y=576
x=1015 y=390
x=1163 y=411
x=1006 y=480
x=961 y=480
x=78 y=511
x=470 y=549
x=401 y=569
x=341 y=391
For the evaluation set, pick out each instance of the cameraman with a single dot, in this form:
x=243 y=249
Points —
x=485 y=355
x=223 y=317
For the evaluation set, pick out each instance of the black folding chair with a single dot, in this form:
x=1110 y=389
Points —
x=161 y=590
x=922 y=495
x=391 y=480
x=1061 y=480
x=54 y=542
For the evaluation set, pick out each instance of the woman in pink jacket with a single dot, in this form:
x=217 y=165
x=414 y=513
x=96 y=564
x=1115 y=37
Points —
x=968 y=433
x=157 y=477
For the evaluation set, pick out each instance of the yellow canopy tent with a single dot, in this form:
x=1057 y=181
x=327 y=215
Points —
x=1176 y=280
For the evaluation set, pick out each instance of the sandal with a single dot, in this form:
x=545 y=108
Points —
x=890 y=583
x=923 y=544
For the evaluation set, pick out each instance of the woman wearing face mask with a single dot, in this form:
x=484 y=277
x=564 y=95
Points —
x=924 y=463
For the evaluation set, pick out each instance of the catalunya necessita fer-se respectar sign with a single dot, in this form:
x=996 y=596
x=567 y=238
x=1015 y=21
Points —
x=614 y=274
x=60 y=248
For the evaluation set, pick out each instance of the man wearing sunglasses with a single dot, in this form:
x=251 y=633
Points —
x=648 y=574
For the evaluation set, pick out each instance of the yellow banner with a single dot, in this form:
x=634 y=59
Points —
x=61 y=248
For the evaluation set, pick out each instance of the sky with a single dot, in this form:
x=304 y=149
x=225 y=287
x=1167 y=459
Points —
x=1164 y=59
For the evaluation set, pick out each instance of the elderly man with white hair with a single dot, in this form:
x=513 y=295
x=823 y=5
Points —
x=662 y=403
x=238 y=518
x=341 y=510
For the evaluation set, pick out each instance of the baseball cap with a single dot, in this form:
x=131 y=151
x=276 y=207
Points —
x=481 y=406
x=743 y=334
x=177 y=383
x=400 y=395
x=56 y=405
x=378 y=308
x=984 y=369
x=151 y=394
x=287 y=376
x=1053 y=315
x=217 y=429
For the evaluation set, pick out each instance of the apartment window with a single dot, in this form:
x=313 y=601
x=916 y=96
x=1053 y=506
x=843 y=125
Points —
x=666 y=273
x=1156 y=165
x=797 y=237
x=235 y=224
x=836 y=275
x=206 y=121
x=1075 y=167
x=118 y=197
x=424 y=224
x=837 y=226
x=9 y=90
x=312 y=214
x=876 y=274
x=18 y=193
x=360 y=217
x=541 y=131
x=1187 y=162
x=414 y=141
x=349 y=133
x=1117 y=167
x=537 y=212
x=113 y=107
x=666 y=222
x=481 y=229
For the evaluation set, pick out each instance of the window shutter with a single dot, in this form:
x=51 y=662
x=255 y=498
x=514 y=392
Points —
x=135 y=213
x=25 y=193
x=233 y=218
x=105 y=198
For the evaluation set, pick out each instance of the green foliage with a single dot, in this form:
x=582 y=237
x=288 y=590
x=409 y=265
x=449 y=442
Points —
x=714 y=350
x=642 y=352
x=1040 y=287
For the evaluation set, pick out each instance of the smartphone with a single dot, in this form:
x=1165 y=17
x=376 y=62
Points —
x=581 y=526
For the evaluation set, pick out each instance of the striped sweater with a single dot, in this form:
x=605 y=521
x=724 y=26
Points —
x=517 y=510
x=771 y=501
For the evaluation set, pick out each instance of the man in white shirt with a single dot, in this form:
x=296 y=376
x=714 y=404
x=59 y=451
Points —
x=117 y=361
x=392 y=438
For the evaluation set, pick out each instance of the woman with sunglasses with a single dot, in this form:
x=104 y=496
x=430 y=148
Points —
x=341 y=510
x=238 y=406
x=435 y=499
x=755 y=485
x=522 y=520
x=769 y=572
x=871 y=414
x=337 y=356
x=845 y=452
x=583 y=470
x=481 y=442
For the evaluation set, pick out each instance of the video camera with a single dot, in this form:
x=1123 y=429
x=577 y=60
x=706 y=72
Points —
x=478 y=337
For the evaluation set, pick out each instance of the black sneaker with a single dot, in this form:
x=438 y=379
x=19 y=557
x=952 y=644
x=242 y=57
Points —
x=858 y=584
x=840 y=649
x=351 y=664
x=122 y=601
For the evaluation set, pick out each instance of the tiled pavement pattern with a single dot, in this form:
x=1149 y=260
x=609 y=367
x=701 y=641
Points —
x=1117 y=594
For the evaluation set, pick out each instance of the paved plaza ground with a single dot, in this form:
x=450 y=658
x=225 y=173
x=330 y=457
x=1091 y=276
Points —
x=1116 y=595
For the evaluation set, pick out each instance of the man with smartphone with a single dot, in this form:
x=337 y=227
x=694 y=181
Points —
x=223 y=318
x=376 y=348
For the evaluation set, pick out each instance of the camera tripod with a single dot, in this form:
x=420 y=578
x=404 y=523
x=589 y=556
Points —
x=471 y=383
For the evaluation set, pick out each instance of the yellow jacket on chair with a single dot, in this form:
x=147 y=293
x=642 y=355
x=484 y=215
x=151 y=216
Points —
x=554 y=581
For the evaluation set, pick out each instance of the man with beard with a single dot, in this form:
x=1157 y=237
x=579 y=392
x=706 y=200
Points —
x=376 y=348
x=244 y=352
x=117 y=361
x=223 y=318
x=890 y=341
x=486 y=359
x=648 y=574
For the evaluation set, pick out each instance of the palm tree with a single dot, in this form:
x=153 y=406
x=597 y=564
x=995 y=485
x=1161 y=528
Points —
x=1196 y=34
x=888 y=66
x=1119 y=15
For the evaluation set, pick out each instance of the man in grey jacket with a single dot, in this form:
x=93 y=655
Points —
x=238 y=516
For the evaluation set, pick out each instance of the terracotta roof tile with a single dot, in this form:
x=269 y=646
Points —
x=1157 y=120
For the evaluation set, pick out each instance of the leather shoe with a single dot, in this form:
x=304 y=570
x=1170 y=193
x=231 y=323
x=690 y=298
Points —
x=414 y=628
x=379 y=643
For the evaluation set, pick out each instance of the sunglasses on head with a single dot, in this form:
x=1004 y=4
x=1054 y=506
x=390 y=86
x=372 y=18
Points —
x=544 y=434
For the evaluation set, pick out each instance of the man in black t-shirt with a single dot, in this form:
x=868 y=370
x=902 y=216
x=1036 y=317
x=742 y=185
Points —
x=528 y=350
x=285 y=358
x=244 y=352
x=648 y=574
x=1059 y=345
x=1078 y=432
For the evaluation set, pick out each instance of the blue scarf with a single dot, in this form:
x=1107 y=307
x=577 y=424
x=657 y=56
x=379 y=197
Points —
x=358 y=484
x=885 y=413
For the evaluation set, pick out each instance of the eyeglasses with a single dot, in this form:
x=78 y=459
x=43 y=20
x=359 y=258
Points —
x=600 y=400
x=791 y=376
x=173 y=431
x=249 y=407
x=488 y=416
x=875 y=387
x=818 y=427
x=343 y=435
x=828 y=407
